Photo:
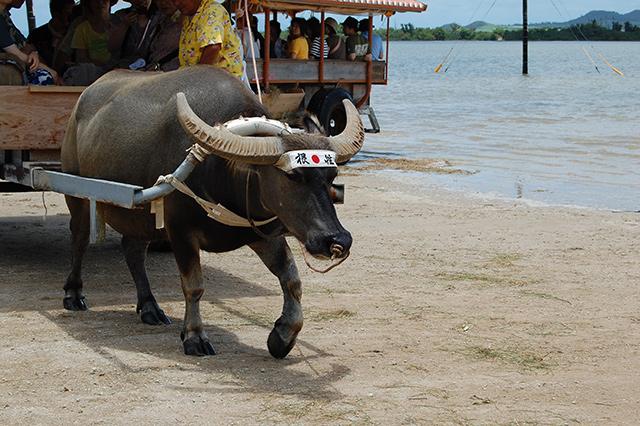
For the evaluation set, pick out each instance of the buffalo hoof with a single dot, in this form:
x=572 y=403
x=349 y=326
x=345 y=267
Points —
x=75 y=301
x=278 y=348
x=152 y=314
x=198 y=345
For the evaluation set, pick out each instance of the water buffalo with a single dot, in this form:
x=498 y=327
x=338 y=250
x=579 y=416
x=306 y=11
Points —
x=133 y=127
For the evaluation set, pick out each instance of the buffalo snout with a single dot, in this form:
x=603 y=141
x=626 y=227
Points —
x=329 y=246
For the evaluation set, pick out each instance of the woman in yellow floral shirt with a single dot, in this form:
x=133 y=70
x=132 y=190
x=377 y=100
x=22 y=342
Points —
x=208 y=37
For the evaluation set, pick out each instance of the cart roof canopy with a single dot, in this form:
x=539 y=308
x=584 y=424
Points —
x=344 y=7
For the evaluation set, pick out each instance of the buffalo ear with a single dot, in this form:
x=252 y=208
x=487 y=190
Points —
x=312 y=125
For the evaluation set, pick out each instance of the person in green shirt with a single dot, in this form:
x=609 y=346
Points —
x=358 y=48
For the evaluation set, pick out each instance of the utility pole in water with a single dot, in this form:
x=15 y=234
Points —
x=525 y=39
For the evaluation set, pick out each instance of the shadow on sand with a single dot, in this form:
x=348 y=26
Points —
x=34 y=263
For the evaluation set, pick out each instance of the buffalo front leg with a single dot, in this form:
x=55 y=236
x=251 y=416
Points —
x=135 y=253
x=277 y=256
x=73 y=295
x=194 y=339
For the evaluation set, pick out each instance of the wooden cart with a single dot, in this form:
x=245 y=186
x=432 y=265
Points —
x=34 y=118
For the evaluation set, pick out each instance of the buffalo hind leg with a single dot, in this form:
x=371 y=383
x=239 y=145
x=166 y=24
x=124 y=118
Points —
x=73 y=295
x=194 y=339
x=277 y=256
x=135 y=253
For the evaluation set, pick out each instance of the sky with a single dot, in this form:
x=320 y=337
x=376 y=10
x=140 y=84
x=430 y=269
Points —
x=463 y=12
x=442 y=12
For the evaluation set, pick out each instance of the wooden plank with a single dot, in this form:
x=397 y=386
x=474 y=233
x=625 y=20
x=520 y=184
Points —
x=307 y=71
x=57 y=89
x=34 y=119
x=278 y=104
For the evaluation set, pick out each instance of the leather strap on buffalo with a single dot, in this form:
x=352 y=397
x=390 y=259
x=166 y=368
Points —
x=215 y=211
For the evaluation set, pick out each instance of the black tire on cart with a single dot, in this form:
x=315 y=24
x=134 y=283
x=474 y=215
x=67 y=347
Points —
x=327 y=105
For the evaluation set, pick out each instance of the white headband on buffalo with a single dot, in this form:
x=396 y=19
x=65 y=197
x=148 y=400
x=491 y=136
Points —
x=306 y=158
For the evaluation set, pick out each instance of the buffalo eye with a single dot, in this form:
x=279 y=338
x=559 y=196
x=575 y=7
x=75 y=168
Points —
x=296 y=176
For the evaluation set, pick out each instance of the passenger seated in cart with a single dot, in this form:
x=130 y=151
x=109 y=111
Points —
x=358 y=48
x=337 y=46
x=38 y=73
x=257 y=35
x=163 y=52
x=5 y=6
x=314 y=31
x=377 y=51
x=134 y=29
x=64 y=56
x=47 y=37
x=278 y=46
x=298 y=45
x=90 y=42
x=250 y=43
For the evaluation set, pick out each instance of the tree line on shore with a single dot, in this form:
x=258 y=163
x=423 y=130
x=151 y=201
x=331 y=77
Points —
x=592 y=31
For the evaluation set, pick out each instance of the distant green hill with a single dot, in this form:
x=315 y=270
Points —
x=595 y=25
x=482 y=26
x=602 y=17
x=477 y=25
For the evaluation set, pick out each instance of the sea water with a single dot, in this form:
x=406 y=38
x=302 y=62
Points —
x=567 y=133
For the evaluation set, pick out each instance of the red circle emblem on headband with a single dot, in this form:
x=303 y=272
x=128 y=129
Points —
x=315 y=158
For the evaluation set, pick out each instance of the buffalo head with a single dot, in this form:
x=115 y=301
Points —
x=294 y=172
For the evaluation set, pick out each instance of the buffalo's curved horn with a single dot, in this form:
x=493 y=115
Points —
x=349 y=142
x=221 y=141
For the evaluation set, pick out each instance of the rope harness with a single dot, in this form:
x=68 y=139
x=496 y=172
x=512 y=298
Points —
x=225 y=216
x=214 y=210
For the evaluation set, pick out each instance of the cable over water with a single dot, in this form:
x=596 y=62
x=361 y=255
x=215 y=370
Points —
x=567 y=19
x=454 y=44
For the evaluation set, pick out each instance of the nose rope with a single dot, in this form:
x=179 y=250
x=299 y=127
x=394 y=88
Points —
x=336 y=250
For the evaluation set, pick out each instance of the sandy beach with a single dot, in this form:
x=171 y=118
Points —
x=451 y=310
